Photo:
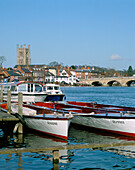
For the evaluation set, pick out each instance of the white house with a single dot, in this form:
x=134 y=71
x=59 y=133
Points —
x=67 y=76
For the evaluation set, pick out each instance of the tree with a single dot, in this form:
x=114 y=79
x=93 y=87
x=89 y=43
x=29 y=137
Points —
x=2 y=59
x=54 y=63
x=73 y=67
x=130 y=71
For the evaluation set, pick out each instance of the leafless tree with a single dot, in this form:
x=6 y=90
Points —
x=2 y=59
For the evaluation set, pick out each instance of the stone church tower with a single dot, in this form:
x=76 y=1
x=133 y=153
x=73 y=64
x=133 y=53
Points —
x=23 y=55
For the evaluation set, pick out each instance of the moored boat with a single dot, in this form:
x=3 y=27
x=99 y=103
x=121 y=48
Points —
x=102 y=107
x=118 y=123
x=32 y=91
x=49 y=124
x=44 y=120
x=54 y=92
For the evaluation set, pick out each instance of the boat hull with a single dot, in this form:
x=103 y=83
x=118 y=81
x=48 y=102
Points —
x=57 y=127
x=55 y=97
x=123 y=126
x=27 y=97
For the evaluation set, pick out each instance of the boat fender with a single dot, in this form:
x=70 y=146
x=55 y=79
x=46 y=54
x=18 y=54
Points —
x=20 y=118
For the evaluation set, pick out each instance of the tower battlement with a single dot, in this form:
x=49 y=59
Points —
x=23 y=55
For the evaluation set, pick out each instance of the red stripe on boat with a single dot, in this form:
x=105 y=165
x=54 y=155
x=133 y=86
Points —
x=111 y=131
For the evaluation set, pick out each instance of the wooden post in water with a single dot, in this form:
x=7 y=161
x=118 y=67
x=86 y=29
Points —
x=9 y=102
x=1 y=94
x=20 y=100
x=56 y=159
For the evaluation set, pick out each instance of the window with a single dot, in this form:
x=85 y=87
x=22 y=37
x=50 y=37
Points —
x=49 y=88
x=38 y=88
x=22 y=87
x=56 y=88
x=13 y=88
x=31 y=87
x=28 y=87
x=6 y=88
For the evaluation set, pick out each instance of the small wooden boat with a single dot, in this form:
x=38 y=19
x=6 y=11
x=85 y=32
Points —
x=50 y=124
x=43 y=120
x=102 y=107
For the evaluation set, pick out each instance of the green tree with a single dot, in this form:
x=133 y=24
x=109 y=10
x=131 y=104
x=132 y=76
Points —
x=130 y=71
x=73 y=67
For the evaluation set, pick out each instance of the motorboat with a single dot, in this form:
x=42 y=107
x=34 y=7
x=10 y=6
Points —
x=54 y=93
x=32 y=91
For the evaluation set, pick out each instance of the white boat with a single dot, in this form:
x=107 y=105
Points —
x=45 y=120
x=118 y=123
x=32 y=91
x=54 y=92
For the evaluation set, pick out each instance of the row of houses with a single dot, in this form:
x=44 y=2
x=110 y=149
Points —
x=45 y=74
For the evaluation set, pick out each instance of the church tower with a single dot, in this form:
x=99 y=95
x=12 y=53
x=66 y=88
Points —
x=23 y=55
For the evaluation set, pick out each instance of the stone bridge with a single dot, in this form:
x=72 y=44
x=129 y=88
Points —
x=109 y=81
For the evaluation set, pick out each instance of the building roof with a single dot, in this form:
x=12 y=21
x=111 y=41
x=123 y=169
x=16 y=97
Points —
x=68 y=71
x=13 y=73
x=26 y=70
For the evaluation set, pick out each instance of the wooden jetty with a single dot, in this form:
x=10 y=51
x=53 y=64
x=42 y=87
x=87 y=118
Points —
x=7 y=122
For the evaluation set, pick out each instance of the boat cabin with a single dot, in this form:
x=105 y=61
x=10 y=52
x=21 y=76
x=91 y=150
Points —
x=32 y=91
x=22 y=87
x=52 y=89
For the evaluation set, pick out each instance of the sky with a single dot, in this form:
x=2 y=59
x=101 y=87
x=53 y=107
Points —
x=73 y=32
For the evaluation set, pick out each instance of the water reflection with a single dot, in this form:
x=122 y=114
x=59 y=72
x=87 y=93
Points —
x=83 y=135
x=67 y=158
x=35 y=140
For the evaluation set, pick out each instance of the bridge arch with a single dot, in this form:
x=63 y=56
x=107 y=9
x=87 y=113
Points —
x=96 y=83
x=130 y=82
x=114 y=83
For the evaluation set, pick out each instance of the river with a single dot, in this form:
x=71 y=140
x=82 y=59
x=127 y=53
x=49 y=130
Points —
x=108 y=158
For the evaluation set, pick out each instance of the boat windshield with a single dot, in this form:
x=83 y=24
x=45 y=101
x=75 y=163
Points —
x=38 y=88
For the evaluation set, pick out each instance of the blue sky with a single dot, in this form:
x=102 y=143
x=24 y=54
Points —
x=92 y=32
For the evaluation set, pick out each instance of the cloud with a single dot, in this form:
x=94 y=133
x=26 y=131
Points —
x=115 y=57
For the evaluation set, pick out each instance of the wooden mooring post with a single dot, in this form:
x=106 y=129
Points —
x=9 y=102
x=20 y=101
x=56 y=159
x=1 y=94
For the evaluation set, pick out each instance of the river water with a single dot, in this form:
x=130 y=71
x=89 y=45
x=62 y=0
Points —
x=108 y=158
